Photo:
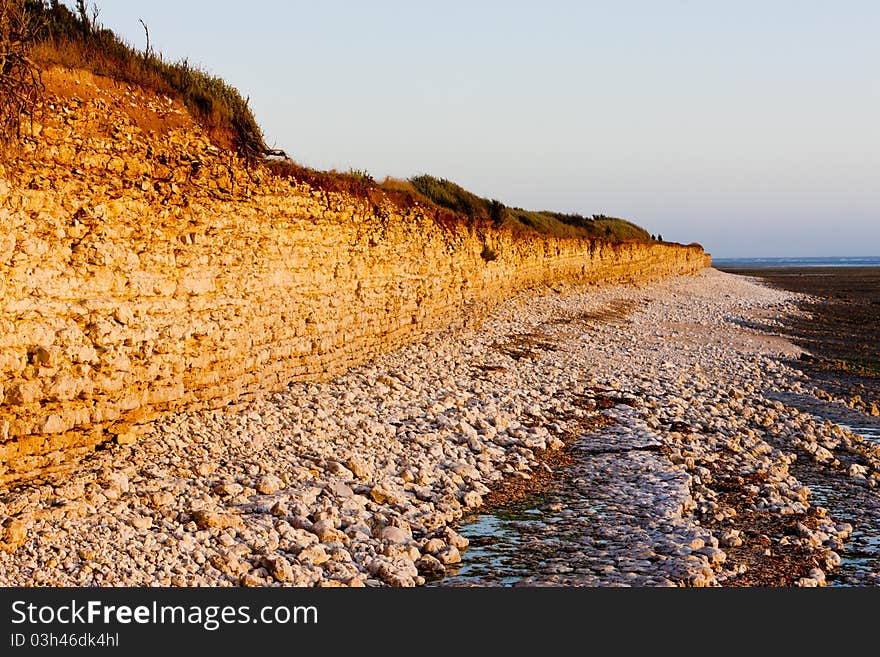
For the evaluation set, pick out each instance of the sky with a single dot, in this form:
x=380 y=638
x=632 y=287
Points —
x=751 y=127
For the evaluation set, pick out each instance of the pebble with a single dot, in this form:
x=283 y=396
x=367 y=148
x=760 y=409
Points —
x=449 y=555
x=394 y=535
x=430 y=566
x=314 y=554
x=269 y=484
x=206 y=519
x=142 y=522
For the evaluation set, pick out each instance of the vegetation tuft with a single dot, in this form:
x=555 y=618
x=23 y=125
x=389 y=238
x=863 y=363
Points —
x=453 y=197
x=488 y=253
x=19 y=75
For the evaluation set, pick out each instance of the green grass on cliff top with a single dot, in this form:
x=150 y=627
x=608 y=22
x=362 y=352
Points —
x=449 y=195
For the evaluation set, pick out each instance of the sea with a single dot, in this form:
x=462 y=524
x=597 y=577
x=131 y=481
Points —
x=756 y=263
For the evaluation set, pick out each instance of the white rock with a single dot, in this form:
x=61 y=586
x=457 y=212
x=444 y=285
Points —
x=472 y=500
x=455 y=539
x=430 y=566
x=449 y=555
x=269 y=484
x=314 y=554
x=142 y=522
x=394 y=535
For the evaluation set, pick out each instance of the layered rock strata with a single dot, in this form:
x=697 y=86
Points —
x=144 y=270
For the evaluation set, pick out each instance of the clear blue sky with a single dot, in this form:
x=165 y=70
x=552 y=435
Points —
x=752 y=127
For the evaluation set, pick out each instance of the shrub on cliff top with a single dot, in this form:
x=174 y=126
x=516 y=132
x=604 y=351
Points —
x=77 y=40
x=19 y=76
x=453 y=197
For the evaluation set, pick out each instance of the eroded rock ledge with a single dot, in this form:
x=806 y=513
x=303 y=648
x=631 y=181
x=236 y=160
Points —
x=143 y=270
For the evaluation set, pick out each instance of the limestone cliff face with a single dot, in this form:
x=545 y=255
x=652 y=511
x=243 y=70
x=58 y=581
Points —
x=143 y=270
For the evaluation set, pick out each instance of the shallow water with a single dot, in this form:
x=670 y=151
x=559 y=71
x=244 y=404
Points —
x=612 y=518
x=846 y=499
x=496 y=556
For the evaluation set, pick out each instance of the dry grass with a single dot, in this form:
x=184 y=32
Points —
x=77 y=41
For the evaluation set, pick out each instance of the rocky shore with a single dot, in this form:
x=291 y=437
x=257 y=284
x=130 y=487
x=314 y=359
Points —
x=363 y=479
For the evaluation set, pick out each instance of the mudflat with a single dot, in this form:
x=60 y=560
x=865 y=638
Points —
x=840 y=327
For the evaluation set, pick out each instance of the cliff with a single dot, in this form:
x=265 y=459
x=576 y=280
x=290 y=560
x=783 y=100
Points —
x=143 y=270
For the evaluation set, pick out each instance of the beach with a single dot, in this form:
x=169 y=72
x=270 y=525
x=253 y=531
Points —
x=681 y=409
